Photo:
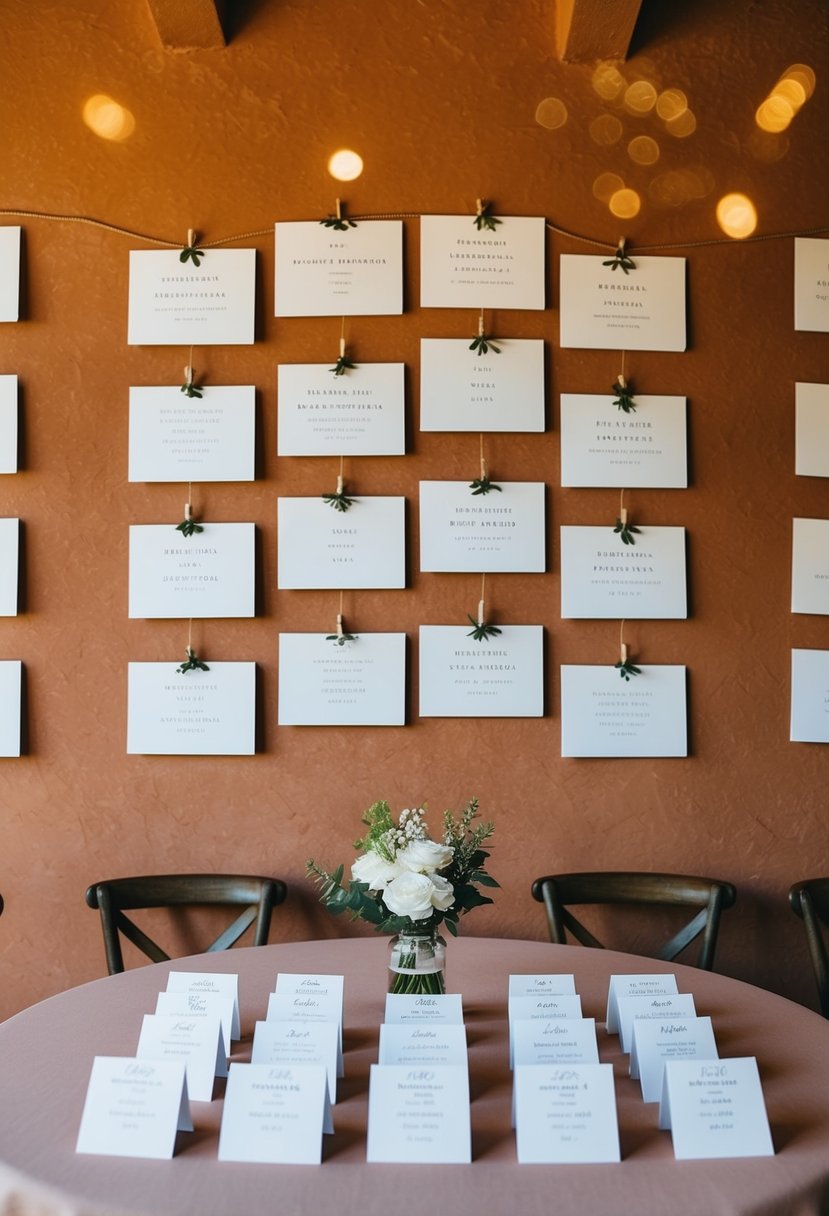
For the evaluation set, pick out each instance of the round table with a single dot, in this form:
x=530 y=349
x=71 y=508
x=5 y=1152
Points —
x=48 y=1050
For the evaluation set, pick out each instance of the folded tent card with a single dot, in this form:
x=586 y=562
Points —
x=134 y=1108
x=275 y=1114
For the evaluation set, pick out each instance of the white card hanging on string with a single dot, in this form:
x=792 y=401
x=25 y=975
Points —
x=464 y=265
x=325 y=272
x=361 y=682
x=207 y=438
x=11 y=687
x=206 y=301
x=322 y=547
x=10 y=273
x=499 y=677
x=9 y=566
x=601 y=577
x=810 y=696
x=501 y=390
x=499 y=531
x=199 y=713
x=209 y=574
x=605 y=715
x=602 y=445
x=811 y=447
x=607 y=309
x=811 y=284
x=8 y=424
x=359 y=413
x=810 y=566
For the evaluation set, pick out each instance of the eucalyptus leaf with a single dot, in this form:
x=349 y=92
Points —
x=483 y=485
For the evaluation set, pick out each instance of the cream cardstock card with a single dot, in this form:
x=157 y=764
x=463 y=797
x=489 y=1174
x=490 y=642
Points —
x=565 y=1114
x=461 y=390
x=419 y=1115
x=601 y=577
x=810 y=696
x=634 y=985
x=501 y=677
x=11 y=682
x=715 y=1108
x=811 y=284
x=174 y=303
x=178 y=438
x=134 y=1108
x=610 y=310
x=320 y=547
x=810 y=566
x=498 y=532
x=360 y=413
x=9 y=566
x=361 y=683
x=603 y=446
x=657 y=1040
x=200 y=713
x=8 y=423
x=10 y=273
x=604 y=715
x=275 y=1114
x=324 y=273
x=461 y=267
x=210 y=574
x=811 y=439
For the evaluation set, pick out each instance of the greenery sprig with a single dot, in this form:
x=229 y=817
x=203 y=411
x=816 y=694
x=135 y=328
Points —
x=189 y=527
x=342 y=365
x=483 y=220
x=620 y=258
x=339 y=501
x=626 y=669
x=482 y=345
x=192 y=663
x=191 y=252
x=483 y=485
x=340 y=639
x=338 y=222
x=626 y=531
x=624 y=396
x=482 y=632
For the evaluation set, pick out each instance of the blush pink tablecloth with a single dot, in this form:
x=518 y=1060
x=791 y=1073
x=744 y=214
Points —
x=47 y=1054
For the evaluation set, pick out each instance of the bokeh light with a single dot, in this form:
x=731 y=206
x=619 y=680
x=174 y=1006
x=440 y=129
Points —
x=345 y=165
x=608 y=81
x=643 y=150
x=625 y=203
x=606 y=185
x=683 y=125
x=671 y=104
x=774 y=114
x=792 y=90
x=737 y=216
x=640 y=97
x=551 y=113
x=107 y=118
x=605 y=130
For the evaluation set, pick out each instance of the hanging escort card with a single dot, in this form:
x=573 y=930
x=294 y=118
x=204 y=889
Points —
x=321 y=272
x=810 y=696
x=501 y=677
x=602 y=577
x=10 y=273
x=603 y=715
x=175 y=303
x=8 y=424
x=209 y=574
x=358 y=414
x=811 y=447
x=176 y=438
x=198 y=713
x=11 y=683
x=361 y=682
x=499 y=532
x=9 y=566
x=609 y=310
x=811 y=284
x=810 y=566
x=462 y=267
x=319 y=547
x=603 y=446
x=463 y=391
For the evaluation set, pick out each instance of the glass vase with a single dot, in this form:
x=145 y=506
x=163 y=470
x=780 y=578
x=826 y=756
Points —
x=417 y=963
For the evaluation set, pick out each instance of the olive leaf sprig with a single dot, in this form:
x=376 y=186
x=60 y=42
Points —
x=192 y=663
x=190 y=388
x=340 y=639
x=338 y=222
x=624 y=395
x=482 y=345
x=621 y=258
x=626 y=669
x=342 y=366
x=339 y=500
x=190 y=252
x=482 y=632
x=483 y=485
x=483 y=220
x=625 y=530
x=188 y=526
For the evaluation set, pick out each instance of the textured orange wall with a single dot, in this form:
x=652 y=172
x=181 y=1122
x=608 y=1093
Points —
x=440 y=99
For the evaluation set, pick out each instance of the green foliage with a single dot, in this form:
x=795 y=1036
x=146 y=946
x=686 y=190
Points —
x=626 y=669
x=482 y=345
x=339 y=501
x=191 y=390
x=624 y=397
x=192 y=663
x=342 y=366
x=482 y=632
x=339 y=223
x=483 y=485
x=189 y=527
x=484 y=221
x=626 y=532
x=191 y=253
x=620 y=258
x=340 y=639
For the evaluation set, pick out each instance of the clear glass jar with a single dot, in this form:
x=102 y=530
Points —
x=417 y=963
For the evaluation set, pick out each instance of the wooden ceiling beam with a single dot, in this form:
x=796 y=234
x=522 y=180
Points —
x=588 y=30
x=187 y=25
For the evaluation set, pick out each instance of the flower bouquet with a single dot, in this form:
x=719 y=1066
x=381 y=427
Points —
x=405 y=883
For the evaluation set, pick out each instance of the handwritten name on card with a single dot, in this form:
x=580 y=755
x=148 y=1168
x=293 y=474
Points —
x=715 y=1109
x=197 y=1041
x=565 y=1115
x=421 y=1045
x=419 y=1115
x=560 y=1041
x=634 y=985
x=275 y=1114
x=664 y=1005
x=446 y=1007
x=133 y=1108
x=299 y=1043
x=658 y=1040
x=222 y=983
x=541 y=984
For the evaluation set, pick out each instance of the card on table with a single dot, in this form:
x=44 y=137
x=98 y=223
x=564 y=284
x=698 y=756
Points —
x=601 y=577
x=299 y=1043
x=565 y=1115
x=324 y=273
x=419 y=1114
x=604 y=715
x=665 y=1005
x=558 y=1041
x=275 y=1114
x=462 y=267
x=134 y=1108
x=311 y=1008
x=11 y=706
x=715 y=1109
x=361 y=682
x=198 y=1041
x=201 y=1005
x=8 y=423
x=443 y=1007
x=541 y=1008
x=810 y=566
x=9 y=566
x=634 y=985
x=361 y=413
x=176 y=438
x=811 y=284
x=461 y=390
x=220 y=982
x=608 y=310
x=541 y=984
x=10 y=272
x=312 y=984
x=195 y=713
x=810 y=697
x=179 y=304
x=320 y=547
x=210 y=574
x=499 y=677
x=658 y=1040
x=603 y=446
x=502 y=531
x=414 y=1045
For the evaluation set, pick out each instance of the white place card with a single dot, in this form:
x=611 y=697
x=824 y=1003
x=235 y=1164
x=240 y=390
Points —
x=8 y=421
x=502 y=531
x=445 y=1007
x=413 y=1045
x=210 y=574
x=461 y=390
x=11 y=706
x=324 y=273
x=306 y=1007
x=174 y=303
x=603 y=578
x=419 y=1115
x=9 y=566
x=565 y=1115
x=178 y=438
x=611 y=310
x=197 y=1041
x=810 y=566
x=313 y=983
x=500 y=677
x=666 y=1005
x=811 y=443
x=275 y=1114
x=634 y=985
x=462 y=267
x=320 y=547
x=604 y=715
x=134 y=1108
x=10 y=273
x=603 y=446
x=810 y=696
x=361 y=413
x=541 y=985
x=658 y=1040
x=201 y=1005
x=200 y=713
x=220 y=982
x=558 y=1041
x=358 y=683
x=715 y=1109
x=299 y=1043
x=541 y=1008
x=811 y=284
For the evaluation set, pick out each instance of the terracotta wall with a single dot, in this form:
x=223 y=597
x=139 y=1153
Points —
x=441 y=100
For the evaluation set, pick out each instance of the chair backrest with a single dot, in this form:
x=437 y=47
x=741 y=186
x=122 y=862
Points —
x=810 y=901
x=708 y=895
x=258 y=897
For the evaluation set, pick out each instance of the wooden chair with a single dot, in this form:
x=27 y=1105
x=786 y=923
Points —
x=258 y=897
x=556 y=891
x=810 y=901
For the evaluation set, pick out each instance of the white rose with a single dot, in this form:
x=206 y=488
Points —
x=410 y=895
x=375 y=870
x=425 y=856
x=443 y=893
